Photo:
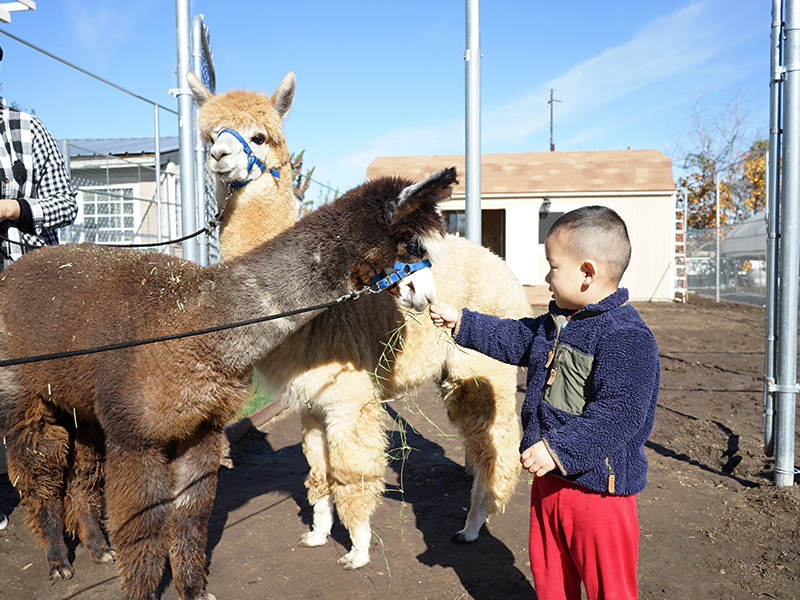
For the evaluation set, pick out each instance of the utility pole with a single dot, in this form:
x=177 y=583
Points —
x=552 y=145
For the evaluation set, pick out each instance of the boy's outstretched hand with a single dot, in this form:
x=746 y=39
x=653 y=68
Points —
x=443 y=315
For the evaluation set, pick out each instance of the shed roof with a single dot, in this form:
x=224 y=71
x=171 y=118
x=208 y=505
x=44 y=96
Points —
x=546 y=172
x=80 y=148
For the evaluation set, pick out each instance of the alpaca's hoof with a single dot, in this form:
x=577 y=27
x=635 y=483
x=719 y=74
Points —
x=106 y=557
x=61 y=572
x=351 y=561
x=313 y=539
x=463 y=538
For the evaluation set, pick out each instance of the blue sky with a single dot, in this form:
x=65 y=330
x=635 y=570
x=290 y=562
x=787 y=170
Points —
x=388 y=78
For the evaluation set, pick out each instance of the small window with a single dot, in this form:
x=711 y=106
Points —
x=112 y=204
x=545 y=223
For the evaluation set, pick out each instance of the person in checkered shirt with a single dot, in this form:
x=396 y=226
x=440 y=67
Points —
x=36 y=197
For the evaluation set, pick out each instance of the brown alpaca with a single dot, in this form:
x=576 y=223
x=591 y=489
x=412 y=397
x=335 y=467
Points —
x=337 y=369
x=161 y=408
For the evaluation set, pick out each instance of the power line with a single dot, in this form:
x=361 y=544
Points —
x=84 y=71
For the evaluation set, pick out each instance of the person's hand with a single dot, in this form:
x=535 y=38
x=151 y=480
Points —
x=537 y=460
x=9 y=209
x=443 y=315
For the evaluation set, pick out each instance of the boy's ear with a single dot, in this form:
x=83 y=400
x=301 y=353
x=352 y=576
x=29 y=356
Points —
x=589 y=269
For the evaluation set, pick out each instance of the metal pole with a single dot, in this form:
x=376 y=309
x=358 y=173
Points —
x=186 y=132
x=473 y=118
x=716 y=181
x=199 y=147
x=773 y=173
x=157 y=128
x=65 y=156
x=786 y=387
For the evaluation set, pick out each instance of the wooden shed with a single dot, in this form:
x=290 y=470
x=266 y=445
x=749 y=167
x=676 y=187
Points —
x=522 y=194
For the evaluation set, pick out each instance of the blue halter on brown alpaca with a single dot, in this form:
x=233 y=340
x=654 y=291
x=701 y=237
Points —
x=401 y=271
x=252 y=159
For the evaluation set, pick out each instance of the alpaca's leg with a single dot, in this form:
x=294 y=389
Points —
x=320 y=495
x=483 y=406
x=83 y=500
x=138 y=506
x=194 y=473
x=37 y=455
x=357 y=456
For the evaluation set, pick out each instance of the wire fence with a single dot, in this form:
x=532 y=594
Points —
x=728 y=266
x=129 y=188
x=118 y=199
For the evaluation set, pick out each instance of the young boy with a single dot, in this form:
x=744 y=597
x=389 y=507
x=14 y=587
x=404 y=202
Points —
x=592 y=381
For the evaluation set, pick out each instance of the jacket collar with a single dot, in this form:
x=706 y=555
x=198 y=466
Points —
x=610 y=302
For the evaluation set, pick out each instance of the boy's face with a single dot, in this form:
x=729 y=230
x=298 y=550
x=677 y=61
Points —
x=566 y=277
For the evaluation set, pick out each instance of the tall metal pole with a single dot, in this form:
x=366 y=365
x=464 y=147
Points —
x=159 y=205
x=786 y=386
x=199 y=146
x=716 y=182
x=186 y=131
x=773 y=174
x=473 y=119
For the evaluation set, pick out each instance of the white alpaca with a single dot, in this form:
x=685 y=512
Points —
x=339 y=368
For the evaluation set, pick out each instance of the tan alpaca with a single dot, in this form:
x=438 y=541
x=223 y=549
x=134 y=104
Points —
x=334 y=369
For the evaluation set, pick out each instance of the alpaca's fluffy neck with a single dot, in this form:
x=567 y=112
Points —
x=311 y=266
x=257 y=212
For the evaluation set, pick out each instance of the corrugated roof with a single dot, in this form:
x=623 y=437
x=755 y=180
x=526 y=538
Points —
x=121 y=146
x=545 y=172
x=748 y=238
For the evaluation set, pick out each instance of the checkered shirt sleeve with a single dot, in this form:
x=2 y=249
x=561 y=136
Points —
x=46 y=189
x=55 y=205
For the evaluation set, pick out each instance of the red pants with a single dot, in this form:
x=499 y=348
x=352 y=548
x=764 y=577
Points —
x=580 y=535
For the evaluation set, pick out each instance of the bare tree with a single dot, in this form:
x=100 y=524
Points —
x=720 y=141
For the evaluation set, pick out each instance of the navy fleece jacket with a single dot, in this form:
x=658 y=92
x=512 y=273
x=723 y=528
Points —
x=598 y=443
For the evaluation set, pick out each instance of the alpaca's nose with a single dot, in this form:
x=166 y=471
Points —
x=219 y=151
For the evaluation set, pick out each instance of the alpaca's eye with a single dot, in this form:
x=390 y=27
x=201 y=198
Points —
x=414 y=248
x=258 y=139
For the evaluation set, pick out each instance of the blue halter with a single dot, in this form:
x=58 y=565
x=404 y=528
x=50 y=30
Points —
x=401 y=271
x=252 y=159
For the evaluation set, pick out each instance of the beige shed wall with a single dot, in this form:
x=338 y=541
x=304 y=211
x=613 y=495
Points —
x=648 y=218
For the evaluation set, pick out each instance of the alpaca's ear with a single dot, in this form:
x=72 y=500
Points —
x=199 y=91
x=438 y=184
x=283 y=96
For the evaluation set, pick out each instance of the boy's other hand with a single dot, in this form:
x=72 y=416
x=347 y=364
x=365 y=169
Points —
x=443 y=315
x=9 y=210
x=537 y=460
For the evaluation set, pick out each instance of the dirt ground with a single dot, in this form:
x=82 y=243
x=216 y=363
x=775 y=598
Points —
x=713 y=524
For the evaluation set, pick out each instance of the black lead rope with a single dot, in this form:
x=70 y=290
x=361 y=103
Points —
x=208 y=229
x=213 y=223
x=174 y=336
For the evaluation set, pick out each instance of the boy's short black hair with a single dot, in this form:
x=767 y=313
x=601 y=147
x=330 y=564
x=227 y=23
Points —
x=596 y=232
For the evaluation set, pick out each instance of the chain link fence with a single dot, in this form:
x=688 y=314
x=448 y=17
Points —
x=729 y=265
x=129 y=189
x=118 y=199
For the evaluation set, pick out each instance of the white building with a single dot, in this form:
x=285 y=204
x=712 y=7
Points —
x=118 y=200
x=522 y=194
